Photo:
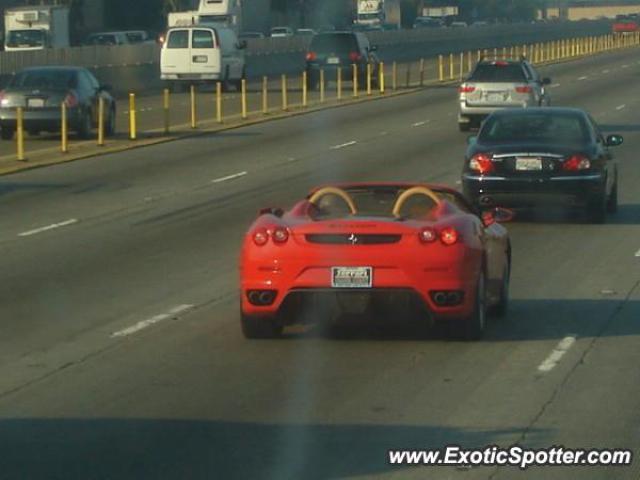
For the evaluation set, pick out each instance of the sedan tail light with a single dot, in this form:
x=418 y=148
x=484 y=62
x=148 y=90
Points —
x=575 y=163
x=524 y=89
x=449 y=236
x=311 y=56
x=467 y=89
x=481 y=163
x=71 y=100
x=355 y=56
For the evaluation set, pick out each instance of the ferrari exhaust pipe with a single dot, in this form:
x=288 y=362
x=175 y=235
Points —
x=266 y=298
x=254 y=297
x=440 y=298
x=454 y=298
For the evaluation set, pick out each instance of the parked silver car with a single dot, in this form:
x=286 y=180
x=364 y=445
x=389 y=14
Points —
x=498 y=84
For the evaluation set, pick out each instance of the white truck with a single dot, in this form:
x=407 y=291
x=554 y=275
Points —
x=36 y=27
x=221 y=12
x=440 y=12
x=378 y=14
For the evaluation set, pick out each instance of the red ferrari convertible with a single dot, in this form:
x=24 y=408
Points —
x=372 y=248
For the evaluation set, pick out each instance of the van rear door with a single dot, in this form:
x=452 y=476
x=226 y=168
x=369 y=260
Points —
x=205 y=53
x=175 y=54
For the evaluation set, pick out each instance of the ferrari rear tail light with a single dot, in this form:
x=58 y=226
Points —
x=280 y=235
x=467 y=89
x=71 y=100
x=311 y=56
x=481 y=163
x=427 y=235
x=355 y=56
x=575 y=163
x=524 y=89
x=260 y=237
x=449 y=236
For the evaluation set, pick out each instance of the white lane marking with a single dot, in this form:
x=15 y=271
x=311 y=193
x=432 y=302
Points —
x=638 y=253
x=620 y=107
x=605 y=71
x=151 y=321
x=343 y=145
x=458 y=182
x=555 y=85
x=382 y=134
x=418 y=124
x=552 y=360
x=582 y=78
x=625 y=66
x=48 y=227
x=229 y=177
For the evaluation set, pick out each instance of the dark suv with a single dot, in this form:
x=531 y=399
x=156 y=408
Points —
x=331 y=50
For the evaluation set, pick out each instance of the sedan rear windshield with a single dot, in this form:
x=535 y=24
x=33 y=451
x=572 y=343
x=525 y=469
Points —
x=43 y=79
x=535 y=127
x=490 y=73
x=334 y=43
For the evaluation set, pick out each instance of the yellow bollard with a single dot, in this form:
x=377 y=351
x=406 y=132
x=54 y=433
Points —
x=165 y=105
x=20 y=133
x=504 y=53
x=243 y=98
x=479 y=55
x=265 y=95
x=64 y=146
x=394 y=76
x=219 y=118
x=321 y=85
x=495 y=54
x=511 y=52
x=192 y=96
x=354 y=79
x=369 y=79
x=461 y=65
x=440 y=68
x=101 y=122
x=285 y=100
x=469 y=61
x=422 y=72
x=451 y=74
x=339 y=83
x=381 y=77
x=133 y=134
x=408 y=76
x=304 y=89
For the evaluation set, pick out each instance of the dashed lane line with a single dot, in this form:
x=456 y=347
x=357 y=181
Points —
x=53 y=226
x=343 y=145
x=229 y=177
x=620 y=107
x=556 y=355
x=151 y=321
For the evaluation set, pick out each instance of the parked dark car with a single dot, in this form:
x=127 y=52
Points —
x=41 y=92
x=542 y=156
x=331 y=50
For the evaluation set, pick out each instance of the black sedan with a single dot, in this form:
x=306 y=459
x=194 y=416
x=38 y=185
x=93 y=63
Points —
x=542 y=156
x=41 y=92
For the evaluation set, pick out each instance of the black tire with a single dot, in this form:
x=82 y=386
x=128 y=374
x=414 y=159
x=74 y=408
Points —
x=612 y=201
x=7 y=133
x=500 y=309
x=464 y=127
x=110 y=127
x=472 y=327
x=259 y=327
x=84 y=125
x=597 y=209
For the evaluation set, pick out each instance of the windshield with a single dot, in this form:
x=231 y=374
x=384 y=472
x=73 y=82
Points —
x=498 y=73
x=334 y=43
x=26 y=38
x=52 y=79
x=535 y=127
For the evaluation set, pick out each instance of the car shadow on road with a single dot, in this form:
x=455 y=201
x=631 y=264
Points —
x=140 y=449
x=7 y=188
x=627 y=214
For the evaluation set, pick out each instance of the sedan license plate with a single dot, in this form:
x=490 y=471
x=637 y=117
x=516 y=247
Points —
x=528 y=164
x=351 y=277
x=333 y=60
x=35 y=102
x=495 y=97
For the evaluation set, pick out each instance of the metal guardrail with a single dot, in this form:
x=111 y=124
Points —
x=145 y=54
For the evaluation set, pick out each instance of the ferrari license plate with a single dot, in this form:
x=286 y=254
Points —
x=35 y=102
x=528 y=164
x=333 y=60
x=351 y=277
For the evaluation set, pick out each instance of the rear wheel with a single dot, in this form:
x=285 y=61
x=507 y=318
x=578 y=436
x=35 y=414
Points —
x=110 y=128
x=6 y=133
x=259 y=327
x=612 y=201
x=472 y=327
x=84 y=125
x=500 y=309
x=464 y=127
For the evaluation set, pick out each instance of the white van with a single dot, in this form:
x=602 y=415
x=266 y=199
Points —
x=202 y=54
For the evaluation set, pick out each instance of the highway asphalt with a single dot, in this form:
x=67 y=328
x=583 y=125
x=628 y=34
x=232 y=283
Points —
x=121 y=355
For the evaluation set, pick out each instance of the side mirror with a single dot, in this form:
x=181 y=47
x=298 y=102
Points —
x=242 y=44
x=614 y=140
x=471 y=139
x=497 y=215
x=546 y=81
x=278 y=212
